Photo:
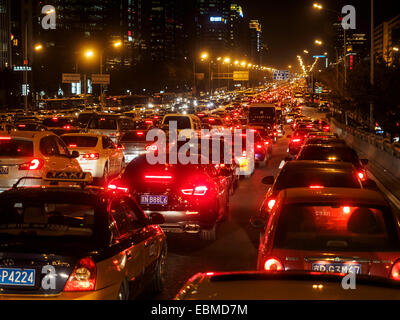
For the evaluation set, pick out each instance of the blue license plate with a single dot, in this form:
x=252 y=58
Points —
x=337 y=267
x=17 y=277
x=153 y=199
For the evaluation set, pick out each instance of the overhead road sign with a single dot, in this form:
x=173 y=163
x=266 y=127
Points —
x=71 y=78
x=100 y=78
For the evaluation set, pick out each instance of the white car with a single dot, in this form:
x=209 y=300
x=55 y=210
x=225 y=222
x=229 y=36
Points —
x=25 y=154
x=98 y=154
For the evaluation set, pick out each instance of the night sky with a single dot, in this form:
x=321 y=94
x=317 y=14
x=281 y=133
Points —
x=290 y=26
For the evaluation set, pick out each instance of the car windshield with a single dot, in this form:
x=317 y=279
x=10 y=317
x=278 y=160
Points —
x=106 y=124
x=337 y=227
x=181 y=122
x=326 y=177
x=80 y=141
x=15 y=147
x=328 y=154
x=134 y=136
x=58 y=122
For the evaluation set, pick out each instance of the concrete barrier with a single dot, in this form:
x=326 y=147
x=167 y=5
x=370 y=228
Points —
x=376 y=149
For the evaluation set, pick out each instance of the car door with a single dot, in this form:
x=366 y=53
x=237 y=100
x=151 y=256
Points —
x=64 y=160
x=129 y=237
x=112 y=155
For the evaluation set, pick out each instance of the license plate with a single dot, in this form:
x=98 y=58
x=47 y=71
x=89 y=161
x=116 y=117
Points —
x=337 y=267
x=150 y=199
x=3 y=170
x=17 y=277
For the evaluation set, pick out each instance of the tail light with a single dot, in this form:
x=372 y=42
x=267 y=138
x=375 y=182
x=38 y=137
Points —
x=316 y=187
x=361 y=175
x=296 y=140
x=395 y=272
x=83 y=278
x=273 y=264
x=22 y=126
x=139 y=133
x=275 y=133
x=72 y=145
x=271 y=204
x=327 y=127
x=157 y=177
x=259 y=146
x=120 y=147
x=266 y=143
x=67 y=126
x=5 y=138
x=114 y=134
x=197 y=191
x=148 y=122
x=91 y=156
x=34 y=164
x=151 y=148
x=115 y=187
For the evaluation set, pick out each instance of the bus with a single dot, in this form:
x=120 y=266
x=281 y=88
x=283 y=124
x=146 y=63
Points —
x=263 y=114
x=65 y=103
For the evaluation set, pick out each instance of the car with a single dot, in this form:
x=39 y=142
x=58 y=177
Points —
x=322 y=125
x=297 y=139
x=187 y=125
x=7 y=126
x=333 y=152
x=64 y=243
x=27 y=153
x=324 y=140
x=134 y=144
x=313 y=174
x=340 y=230
x=193 y=198
x=284 y=285
x=111 y=125
x=29 y=126
x=97 y=154
x=60 y=125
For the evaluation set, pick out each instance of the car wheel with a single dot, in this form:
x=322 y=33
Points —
x=159 y=277
x=123 y=293
x=209 y=235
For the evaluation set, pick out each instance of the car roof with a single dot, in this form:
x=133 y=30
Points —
x=283 y=285
x=329 y=195
x=85 y=134
x=28 y=134
x=315 y=164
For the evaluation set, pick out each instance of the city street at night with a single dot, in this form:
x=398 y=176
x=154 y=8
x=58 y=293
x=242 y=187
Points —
x=200 y=158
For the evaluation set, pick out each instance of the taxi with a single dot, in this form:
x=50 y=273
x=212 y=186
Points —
x=284 y=285
x=97 y=154
x=338 y=230
x=67 y=243
x=34 y=154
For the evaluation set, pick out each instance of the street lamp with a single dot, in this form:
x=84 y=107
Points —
x=318 y=42
x=317 y=6
x=117 y=44
x=38 y=47
x=89 y=53
x=306 y=51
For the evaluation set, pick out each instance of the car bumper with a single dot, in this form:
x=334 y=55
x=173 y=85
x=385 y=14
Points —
x=95 y=167
x=185 y=221
x=108 y=293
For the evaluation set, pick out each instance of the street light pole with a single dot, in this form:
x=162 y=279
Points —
x=25 y=80
x=372 y=70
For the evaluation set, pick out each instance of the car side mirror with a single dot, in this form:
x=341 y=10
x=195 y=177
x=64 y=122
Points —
x=364 y=162
x=268 y=180
x=156 y=218
x=74 y=154
x=258 y=222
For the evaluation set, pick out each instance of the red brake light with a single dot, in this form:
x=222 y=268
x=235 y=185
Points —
x=113 y=186
x=83 y=278
x=266 y=143
x=5 y=138
x=91 y=156
x=157 y=177
x=395 y=272
x=259 y=146
x=197 y=191
x=316 y=187
x=140 y=133
x=149 y=122
x=34 y=164
x=22 y=126
x=271 y=203
x=72 y=145
x=67 y=126
x=151 y=148
x=296 y=140
x=361 y=175
x=273 y=264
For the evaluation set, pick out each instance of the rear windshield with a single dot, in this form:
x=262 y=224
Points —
x=134 y=136
x=46 y=219
x=339 y=228
x=27 y=126
x=16 y=148
x=181 y=122
x=103 y=123
x=325 y=177
x=58 y=122
x=328 y=154
x=80 y=141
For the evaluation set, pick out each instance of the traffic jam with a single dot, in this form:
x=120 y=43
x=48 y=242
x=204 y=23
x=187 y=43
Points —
x=87 y=213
